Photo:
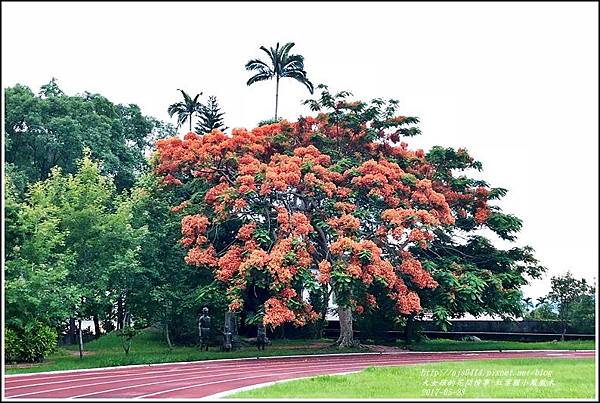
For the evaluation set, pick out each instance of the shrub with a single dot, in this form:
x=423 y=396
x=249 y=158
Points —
x=11 y=345
x=31 y=344
x=127 y=334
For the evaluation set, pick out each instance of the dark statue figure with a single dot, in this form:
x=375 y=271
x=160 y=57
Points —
x=261 y=336
x=227 y=338
x=204 y=329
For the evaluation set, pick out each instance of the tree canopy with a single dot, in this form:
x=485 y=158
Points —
x=340 y=196
x=52 y=129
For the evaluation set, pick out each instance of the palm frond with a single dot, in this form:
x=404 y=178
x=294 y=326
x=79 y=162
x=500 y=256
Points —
x=175 y=108
x=186 y=97
x=285 y=49
x=257 y=64
x=300 y=75
x=262 y=76
x=272 y=55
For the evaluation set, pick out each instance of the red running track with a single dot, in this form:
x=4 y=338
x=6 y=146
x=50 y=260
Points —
x=206 y=378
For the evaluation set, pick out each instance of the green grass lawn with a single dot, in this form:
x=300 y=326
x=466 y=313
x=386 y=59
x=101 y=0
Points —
x=537 y=378
x=149 y=347
x=459 y=345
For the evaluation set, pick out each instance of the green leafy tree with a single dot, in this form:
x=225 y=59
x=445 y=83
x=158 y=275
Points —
x=52 y=129
x=570 y=297
x=542 y=310
x=166 y=290
x=281 y=64
x=93 y=222
x=37 y=264
x=186 y=109
x=210 y=117
x=581 y=313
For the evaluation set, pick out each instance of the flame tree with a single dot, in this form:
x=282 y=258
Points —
x=335 y=201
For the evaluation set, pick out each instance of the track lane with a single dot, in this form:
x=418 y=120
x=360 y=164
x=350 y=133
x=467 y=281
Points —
x=205 y=378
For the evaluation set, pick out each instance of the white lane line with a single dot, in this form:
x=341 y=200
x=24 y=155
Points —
x=221 y=395
x=316 y=366
x=205 y=366
x=232 y=380
x=182 y=371
x=189 y=370
x=357 y=366
x=194 y=368
x=194 y=364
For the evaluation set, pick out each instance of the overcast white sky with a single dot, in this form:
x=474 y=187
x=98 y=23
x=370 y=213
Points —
x=516 y=84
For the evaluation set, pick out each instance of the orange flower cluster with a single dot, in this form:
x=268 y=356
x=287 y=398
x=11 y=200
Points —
x=408 y=303
x=344 y=207
x=180 y=207
x=371 y=300
x=202 y=256
x=292 y=182
x=300 y=224
x=413 y=268
x=345 y=223
x=245 y=232
x=383 y=179
x=482 y=214
x=420 y=237
x=229 y=264
x=413 y=223
x=193 y=229
x=277 y=313
x=324 y=271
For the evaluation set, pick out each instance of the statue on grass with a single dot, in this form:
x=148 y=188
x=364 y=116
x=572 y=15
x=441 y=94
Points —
x=227 y=338
x=261 y=336
x=204 y=329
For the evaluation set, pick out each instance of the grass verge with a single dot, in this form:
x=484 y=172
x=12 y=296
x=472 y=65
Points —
x=500 y=378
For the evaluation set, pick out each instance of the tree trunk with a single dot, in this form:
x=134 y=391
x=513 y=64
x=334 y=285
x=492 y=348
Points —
x=120 y=313
x=190 y=122
x=80 y=340
x=72 y=331
x=96 y=327
x=231 y=324
x=409 y=329
x=346 y=338
x=276 y=96
x=325 y=307
x=167 y=335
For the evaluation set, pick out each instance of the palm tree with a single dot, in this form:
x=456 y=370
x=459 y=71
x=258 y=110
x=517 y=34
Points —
x=528 y=303
x=185 y=109
x=282 y=64
x=541 y=301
